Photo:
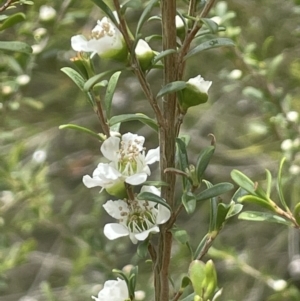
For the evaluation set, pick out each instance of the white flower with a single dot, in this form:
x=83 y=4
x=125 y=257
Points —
x=137 y=218
x=39 y=156
x=106 y=40
x=292 y=116
x=47 y=13
x=287 y=144
x=113 y=290
x=128 y=163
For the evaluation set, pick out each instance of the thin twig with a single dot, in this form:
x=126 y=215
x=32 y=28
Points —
x=99 y=111
x=136 y=66
x=6 y=5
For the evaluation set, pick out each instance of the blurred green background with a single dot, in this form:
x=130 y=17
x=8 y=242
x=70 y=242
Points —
x=51 y=242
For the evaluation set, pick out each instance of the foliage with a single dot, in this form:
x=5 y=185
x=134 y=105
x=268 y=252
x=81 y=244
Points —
x=52 y=245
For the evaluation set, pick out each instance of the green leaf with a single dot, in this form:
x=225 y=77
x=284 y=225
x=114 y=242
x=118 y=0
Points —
x=106 y=10
x=210 y=24
x=81 y=129
x=183 y=159
x=74 y=76
x=134 y=4
x=145 y=15
x=133 y=117
x=269 y=183
x=111 y=87
x=213 y=43
x=197 y=275
x=149 y=196
x=213 y=191
x=16 y=46
x=201 y=246
x=203 y=161
x=171 y=88
x=239 y=193
x=12 y=20
x=142 y=249
x=185 y=282
x=234 y=210
x=243 y=181
x=252 y=199
x=263 y=217
x=163 y=54
x=181 y=236
x=297 y=213
x=95 y=79
x=156 y=183
x=279 y=185
x=221 y=215
x=189 y=202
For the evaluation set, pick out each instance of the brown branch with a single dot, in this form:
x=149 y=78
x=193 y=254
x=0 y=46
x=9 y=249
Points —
x=6 y=5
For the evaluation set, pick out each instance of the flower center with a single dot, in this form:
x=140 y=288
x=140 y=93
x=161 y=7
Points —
x=129 y=155
x=141 y=216
x=102 y=29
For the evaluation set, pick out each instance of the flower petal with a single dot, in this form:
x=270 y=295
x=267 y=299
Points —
x=110 y=148
x=151 y=189
x=115 y=208
x=114 y=231
x=163 y=214
x=136 y=179
x=79 y=43
x=91 y=182
x=152 y=156
x=143 y=235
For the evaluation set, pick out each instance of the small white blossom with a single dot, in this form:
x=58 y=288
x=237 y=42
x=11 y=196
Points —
x=277 y=285
x=113 y=290
x=287 y=144
x=235 y=74
x=292 y=116
x=128 y=162
x=47 y=13
x=137 y=218
x=23 y=79
x=178 y=22
x=106 y=40
x=39 y=156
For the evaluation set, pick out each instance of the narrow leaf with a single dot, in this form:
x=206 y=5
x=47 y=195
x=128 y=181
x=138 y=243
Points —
x=238 y=194
x=279 y=185
x=111 y=87
x=234 y=210
x=210 y=24
x=106 y=10
x=74 y=76
x=95 y=79
x=243 y=181
x=214 y=43
x=213 y=191
x=297 y=213
x=16 y=46
x=171 y=88
x=201 y=246
x=163 y=54
x=263 y=217
x=134 y=117
x=189 y=202
x=149 y=196
x=81 y=129
x=145 y=15
x=269 y=183
x=181 y=236
x=252 y=199
x=183 y=159
x=12 y=20
x=203 y=161
x=221 y=215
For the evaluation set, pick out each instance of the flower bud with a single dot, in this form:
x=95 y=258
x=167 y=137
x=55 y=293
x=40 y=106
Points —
x=195 y=92
x=144 y=54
